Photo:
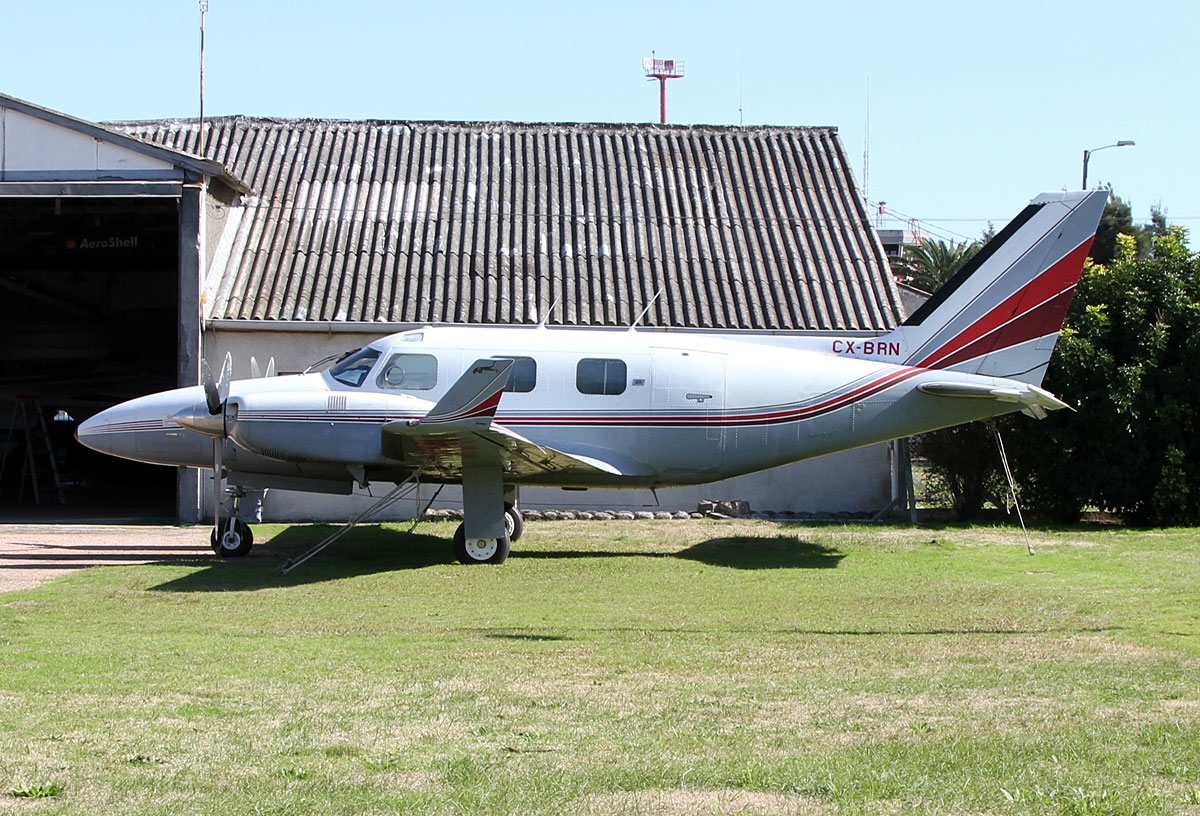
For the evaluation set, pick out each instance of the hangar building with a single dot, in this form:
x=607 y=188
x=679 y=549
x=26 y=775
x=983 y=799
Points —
x=126 y=256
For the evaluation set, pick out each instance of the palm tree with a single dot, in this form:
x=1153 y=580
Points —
x=930 y=264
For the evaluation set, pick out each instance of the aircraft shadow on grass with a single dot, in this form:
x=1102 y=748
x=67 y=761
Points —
x=737 y=552
x=764 y=552
x=374 y=550
x=366 y=551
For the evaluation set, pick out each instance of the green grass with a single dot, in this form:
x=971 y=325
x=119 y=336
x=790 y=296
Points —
x=617 y=667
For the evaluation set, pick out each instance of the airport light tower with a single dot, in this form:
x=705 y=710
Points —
x=662 y=70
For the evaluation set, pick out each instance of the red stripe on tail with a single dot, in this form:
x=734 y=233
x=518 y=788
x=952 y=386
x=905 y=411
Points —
x=1035 y=310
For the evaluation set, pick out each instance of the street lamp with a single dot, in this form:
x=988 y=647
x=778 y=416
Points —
x=1087 y=154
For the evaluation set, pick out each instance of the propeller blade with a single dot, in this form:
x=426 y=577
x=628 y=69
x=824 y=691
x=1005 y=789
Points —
x=212 y=394
x=226 y=376
x=257 y=372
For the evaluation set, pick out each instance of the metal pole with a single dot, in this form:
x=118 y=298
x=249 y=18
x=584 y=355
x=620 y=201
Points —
x=1087 y=154
x=662 y=99
x=203 y=12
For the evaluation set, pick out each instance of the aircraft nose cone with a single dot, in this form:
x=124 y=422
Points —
x=112 y=431
x=92 y=433
x=141 y=429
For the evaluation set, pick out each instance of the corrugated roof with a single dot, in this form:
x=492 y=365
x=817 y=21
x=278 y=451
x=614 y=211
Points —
x=415 y=222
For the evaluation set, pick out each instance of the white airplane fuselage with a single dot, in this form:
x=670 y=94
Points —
x=690 y=409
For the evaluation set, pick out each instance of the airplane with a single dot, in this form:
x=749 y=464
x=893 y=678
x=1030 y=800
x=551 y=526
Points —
x=497 y=408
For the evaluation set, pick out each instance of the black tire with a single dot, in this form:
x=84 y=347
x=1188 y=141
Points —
x=235 y=539
x=480 y=551
x=513 y=523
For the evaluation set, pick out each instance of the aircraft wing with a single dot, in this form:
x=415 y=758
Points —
x=459 y=431
x=1034 y=401
x=442 y=453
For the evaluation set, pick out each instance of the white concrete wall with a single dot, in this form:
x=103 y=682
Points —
x=852 y=482
x=32 y=146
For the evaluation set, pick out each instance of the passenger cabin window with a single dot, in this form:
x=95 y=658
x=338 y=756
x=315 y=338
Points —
x=598 y=376
x=409 y=372
x=523 y=376
x=354 y=369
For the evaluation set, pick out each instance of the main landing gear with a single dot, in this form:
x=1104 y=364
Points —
x=489 y=550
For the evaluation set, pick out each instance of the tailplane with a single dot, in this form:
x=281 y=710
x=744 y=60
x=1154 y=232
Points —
x=1001 y=313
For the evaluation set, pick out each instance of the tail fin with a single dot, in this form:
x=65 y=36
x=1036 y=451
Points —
x=1001 y=313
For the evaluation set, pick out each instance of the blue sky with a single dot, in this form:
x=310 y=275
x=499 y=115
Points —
x=974 y=107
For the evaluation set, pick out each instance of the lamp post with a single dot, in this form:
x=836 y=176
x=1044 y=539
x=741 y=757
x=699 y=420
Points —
x=1087 y=154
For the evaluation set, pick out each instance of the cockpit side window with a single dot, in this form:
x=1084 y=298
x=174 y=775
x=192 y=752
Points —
x=354 y=369
x=409 y=372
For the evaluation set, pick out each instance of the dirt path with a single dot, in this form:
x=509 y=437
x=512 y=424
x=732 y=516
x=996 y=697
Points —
x=32 y=554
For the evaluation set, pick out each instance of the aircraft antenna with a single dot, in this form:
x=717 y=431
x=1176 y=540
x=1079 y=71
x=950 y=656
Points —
x=662 y=70
x=645 y=311
x=546 y=317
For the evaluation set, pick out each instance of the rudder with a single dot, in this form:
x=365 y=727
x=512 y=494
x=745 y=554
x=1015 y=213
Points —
x=1001 y=313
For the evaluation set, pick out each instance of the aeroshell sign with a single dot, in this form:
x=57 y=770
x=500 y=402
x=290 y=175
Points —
x=95 y=244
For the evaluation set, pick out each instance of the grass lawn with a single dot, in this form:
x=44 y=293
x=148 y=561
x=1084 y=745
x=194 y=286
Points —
x=617 y=668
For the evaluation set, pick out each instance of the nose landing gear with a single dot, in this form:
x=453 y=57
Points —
x=232 y=539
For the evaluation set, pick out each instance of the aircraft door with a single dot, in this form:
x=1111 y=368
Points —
x=688 y=437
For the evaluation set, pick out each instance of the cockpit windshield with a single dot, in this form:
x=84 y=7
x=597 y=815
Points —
x=353 y=370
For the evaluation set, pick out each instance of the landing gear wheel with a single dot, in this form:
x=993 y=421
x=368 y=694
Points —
x=479 y=550
x=235 y=539
x=514 y=525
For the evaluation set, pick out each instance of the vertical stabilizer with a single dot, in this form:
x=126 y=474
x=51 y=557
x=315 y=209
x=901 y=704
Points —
x=1001 y=313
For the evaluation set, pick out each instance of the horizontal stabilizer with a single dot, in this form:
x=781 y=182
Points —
x=473 y=399
x=1034 y=400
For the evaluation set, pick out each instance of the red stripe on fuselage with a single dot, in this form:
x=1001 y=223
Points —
x=792 y=413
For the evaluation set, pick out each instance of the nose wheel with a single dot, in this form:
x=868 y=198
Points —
x=232 y=539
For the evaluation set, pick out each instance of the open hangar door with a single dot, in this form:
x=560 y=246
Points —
x=89 y=317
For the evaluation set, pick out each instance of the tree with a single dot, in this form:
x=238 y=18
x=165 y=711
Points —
x=931 y=263
x=962 y=462
x=1127 y=360
x=1118 y=220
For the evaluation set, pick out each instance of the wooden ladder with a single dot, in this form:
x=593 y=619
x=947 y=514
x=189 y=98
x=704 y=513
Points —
x=39 y=465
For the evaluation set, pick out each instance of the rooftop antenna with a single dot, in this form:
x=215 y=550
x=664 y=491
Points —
x=203 y=12
x=662 y=70
x=867 y=146
x=741 y=83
